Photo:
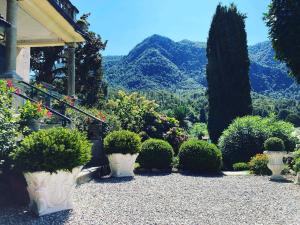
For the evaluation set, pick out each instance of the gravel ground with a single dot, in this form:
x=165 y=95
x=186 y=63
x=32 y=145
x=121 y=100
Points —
x=174 y=199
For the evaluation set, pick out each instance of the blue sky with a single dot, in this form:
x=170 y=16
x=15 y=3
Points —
x=125 y=23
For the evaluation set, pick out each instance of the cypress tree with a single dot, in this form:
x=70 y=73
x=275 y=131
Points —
x=227 y=70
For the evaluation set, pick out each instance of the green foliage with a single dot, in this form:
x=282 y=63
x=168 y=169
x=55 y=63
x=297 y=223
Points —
x=183 y=69
x=227 y=70
x=294 y=119
x=284 y=30
x=296 y=166
x=199 y=156
x=176 y=136
x=156 y=153
x=180 y=113
x=131 y=110
x=124 y=142
x=258 y=165
x=274 y=144
x=8 y=126
x=245 y=137
x=199 y=130
x=31 y=111
x=52 y=150
x=241 y=166
x=90 y=85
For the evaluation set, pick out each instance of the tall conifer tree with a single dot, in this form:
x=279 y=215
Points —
x=227 y=70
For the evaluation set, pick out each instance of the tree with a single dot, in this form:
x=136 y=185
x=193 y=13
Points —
x=90 y=85
x=49 y=65
x=284 y=30
x=227 y=70
x=46 y=63
x=202 y=116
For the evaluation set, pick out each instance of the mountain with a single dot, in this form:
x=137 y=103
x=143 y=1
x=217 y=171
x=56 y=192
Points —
x=161 y=63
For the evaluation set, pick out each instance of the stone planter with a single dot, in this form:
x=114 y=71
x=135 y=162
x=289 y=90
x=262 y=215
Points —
x=51 y=193
x=33 y=124
x=276 y=164
x=122 y=165
x=297 y=179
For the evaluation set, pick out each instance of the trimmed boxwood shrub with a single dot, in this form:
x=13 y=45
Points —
x=199 y=156
x=52 y=150
x=124 y=142
x=156 y=153
x=245 y=138
x=240 y=166
x=274 y=144
x=258 y=165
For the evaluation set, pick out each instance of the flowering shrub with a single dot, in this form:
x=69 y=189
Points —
x=33 y=111
x=176 y=136
x=8 y=127
x=258 y=165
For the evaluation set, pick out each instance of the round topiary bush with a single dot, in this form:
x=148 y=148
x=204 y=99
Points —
x=124 y=142
x=274 y=144
x=156 y=153
x=245 y=138
x=199 y=156
x=52 y=150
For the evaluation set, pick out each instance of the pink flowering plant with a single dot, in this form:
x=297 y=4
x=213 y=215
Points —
x=33 y=111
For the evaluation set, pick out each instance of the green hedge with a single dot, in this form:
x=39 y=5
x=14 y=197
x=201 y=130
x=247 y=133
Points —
x=156 y=153
x=199 y=156
x=124 y=142
x=245 y=138
x=52 y=150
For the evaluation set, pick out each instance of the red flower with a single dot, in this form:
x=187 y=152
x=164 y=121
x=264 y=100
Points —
x=49 y=114
x=18 y=91
x=9 y=83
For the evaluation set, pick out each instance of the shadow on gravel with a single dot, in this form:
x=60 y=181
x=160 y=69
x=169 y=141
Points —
x=114 y=180
x=282 y=181
x=23 y=216
x=193 y=174
x=153 y=174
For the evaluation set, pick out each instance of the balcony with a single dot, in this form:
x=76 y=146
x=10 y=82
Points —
x=66 y=8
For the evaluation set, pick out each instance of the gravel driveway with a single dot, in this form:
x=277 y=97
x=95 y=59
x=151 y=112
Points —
x=175 y=199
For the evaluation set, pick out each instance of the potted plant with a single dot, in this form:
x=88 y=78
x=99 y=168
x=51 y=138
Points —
x=275 y=150
x=297 y=170
x=122 y=148
x=51 y=161
x=32 y=113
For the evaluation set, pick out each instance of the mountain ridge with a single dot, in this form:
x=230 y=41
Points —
x=161 y=63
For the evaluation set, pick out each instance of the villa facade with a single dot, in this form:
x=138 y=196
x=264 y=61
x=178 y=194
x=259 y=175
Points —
x=36 y=23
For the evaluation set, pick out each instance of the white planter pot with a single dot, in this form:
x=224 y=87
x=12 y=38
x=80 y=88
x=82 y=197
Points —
x=51 y=193
x=276 y=164
x=122 y=165
x=297 y=179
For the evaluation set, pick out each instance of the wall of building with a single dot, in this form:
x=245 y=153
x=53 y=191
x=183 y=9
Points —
x=23 y=63
x=2 y=57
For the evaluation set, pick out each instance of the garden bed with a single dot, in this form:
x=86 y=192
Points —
x=174 y=199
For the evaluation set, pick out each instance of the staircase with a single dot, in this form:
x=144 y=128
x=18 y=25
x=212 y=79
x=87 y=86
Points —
x=57 y=105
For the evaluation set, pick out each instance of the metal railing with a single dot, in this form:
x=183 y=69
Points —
x=48 y=103
x=65 y=120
